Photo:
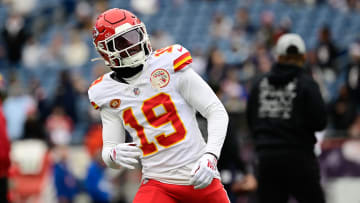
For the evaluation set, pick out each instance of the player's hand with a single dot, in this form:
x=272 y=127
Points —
x=126 y=155
x=204 y=171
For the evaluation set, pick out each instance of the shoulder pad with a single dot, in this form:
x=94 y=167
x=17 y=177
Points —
x=179 y=55
x=92 y=92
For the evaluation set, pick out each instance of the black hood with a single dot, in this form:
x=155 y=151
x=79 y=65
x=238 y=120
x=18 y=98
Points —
x=283 y=73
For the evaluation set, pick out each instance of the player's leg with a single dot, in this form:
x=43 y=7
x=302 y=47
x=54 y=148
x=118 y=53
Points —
x=306 y=186
x=218 y=196
x=152 y=193
x=214 y=193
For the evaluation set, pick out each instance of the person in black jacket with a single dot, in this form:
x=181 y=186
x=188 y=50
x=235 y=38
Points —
x=284 y=110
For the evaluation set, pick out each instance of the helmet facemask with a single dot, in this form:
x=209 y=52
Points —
x=128 y=48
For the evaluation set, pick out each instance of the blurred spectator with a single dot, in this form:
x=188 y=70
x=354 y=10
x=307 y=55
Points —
x=343 y=112
x=33 y=52
x=37 y=91
x=66 y=95
x=80 y=84
x=16 y=106
x=81 y=87
x=240 y=48
x=14 y=35
x=262 y=58
x=234 y=94
x=312 y=64
x=97 y=186
x=59 y=16
x=326 y=51
x=345 y=5
x=160 y=39
x=352 y=77
x=235 y=176
x=53 y=54
x=199 y=61
x=96 y=182
x=353 y=5
x=313 y=68
x=216 y=67
x=283 y=28
x=354 y=131
x=4 y=148
x=69 y=7
x=242 y=31
x=266 y=31
x=242 y=22
x=2 y=52
x=99 y=7
x=264 y=63
x=220 y=26
x=83 y=12
x=76 y=51
x=33 y=126
x=145 y=7
x=248 y=70
x=93 y=139
x=59 y=127
x=22 y=7
x=67 y=186
x=339 y=4
x=39 y=25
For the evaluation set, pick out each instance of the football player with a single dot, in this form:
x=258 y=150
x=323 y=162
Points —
x=154 y=95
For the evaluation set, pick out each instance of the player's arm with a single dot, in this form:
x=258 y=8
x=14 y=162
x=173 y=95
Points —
x=198 y=94
x=116 y=152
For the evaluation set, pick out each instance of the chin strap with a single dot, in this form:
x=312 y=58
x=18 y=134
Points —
x=107 y=64
x=96 y=59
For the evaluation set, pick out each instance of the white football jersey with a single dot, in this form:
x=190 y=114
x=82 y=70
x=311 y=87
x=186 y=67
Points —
x=157 y=117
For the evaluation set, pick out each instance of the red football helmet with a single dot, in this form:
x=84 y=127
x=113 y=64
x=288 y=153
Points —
x=121 y=39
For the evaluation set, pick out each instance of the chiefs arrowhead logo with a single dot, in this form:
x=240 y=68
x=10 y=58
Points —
x=115 y=103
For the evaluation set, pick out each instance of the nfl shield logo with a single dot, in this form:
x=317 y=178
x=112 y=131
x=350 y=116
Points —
x=136 y=91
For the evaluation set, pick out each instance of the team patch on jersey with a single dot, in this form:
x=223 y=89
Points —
x=182 y=61
x=94 y=105
x=115 y=103
x=159 y=78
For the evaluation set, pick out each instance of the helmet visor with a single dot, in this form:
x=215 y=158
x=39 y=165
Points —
x=126 y=40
